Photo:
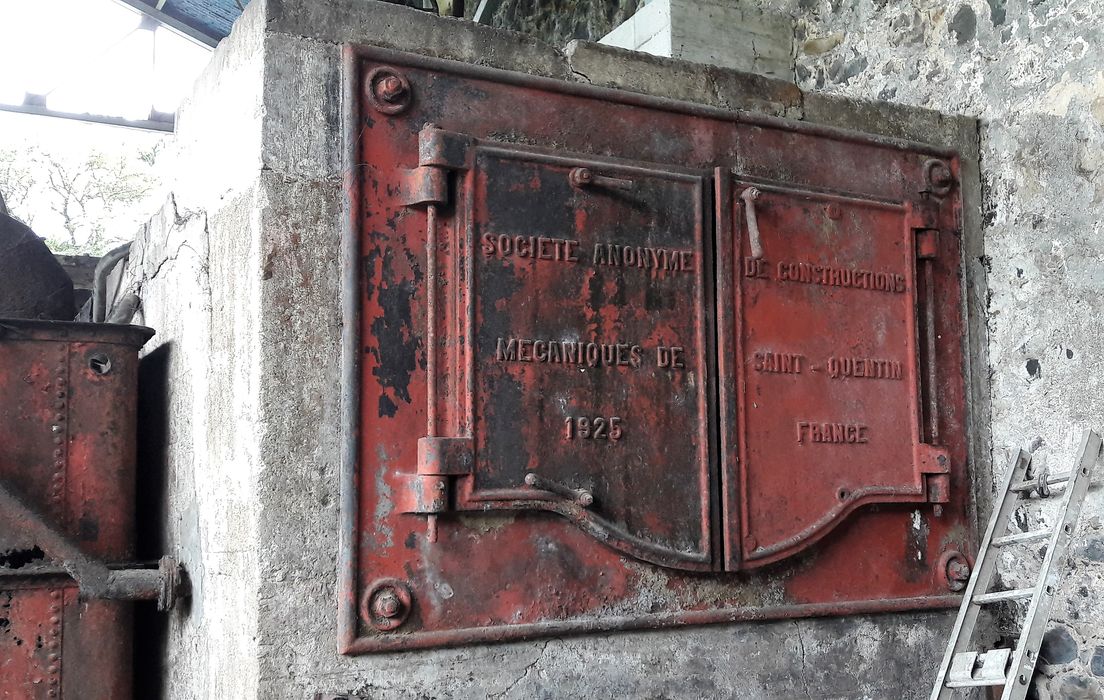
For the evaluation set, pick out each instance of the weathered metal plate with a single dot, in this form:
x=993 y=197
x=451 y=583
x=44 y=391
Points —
x=67 y=424
x=589 y=328
x=485 y=210
x=826 y=348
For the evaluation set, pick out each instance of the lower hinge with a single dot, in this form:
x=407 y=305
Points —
x=439 y=459
x=934 y=464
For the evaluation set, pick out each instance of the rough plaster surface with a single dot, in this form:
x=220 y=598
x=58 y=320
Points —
x=240 y=275
x=1031 y=71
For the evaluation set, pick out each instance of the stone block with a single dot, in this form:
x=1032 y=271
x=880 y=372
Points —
x=716 y=32
x=240 y=276
x=608 y=66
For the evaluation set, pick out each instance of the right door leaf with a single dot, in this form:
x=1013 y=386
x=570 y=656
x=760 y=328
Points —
x=827 y=414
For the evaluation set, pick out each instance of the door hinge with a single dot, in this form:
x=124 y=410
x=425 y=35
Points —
x=439 y=153
x=934 y=464
x=439 y=458
x=927 y=244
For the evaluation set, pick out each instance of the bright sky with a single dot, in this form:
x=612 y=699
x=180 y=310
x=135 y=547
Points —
x=87 y=56
x=90 y=56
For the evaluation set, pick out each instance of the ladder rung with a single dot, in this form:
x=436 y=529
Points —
x=999 y=596
x=1022 y=537
x=969 y=669
x=977 y=683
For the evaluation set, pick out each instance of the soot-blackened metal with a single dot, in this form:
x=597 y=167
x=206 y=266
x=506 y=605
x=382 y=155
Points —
x=486 y=214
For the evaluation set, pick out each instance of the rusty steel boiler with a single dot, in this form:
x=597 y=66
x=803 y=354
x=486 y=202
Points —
x=68 y=396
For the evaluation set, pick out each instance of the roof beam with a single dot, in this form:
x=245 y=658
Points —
x=36 y=104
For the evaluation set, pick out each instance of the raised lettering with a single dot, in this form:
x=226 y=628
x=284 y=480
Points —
x=831 y=433
x=506 y=352
x=852 y=278
x=777 y=362
x=864 y=368
x=570 y=254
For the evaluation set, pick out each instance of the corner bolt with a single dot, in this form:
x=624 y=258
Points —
x=391 y=89
x=388 y=90
x=386 y=604
x=956 y=570
x=939 y=176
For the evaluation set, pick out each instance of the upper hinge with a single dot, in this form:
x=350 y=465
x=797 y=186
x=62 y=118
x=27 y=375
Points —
x=927 y=244
x=425 y=184
x=439 y=153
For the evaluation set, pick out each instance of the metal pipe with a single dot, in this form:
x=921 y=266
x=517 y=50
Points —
x=94 y=577
x=99 y=280
x=124 y=311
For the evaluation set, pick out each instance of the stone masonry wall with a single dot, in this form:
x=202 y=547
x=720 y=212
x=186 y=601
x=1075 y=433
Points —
x=1031 y=71
x=240 y=276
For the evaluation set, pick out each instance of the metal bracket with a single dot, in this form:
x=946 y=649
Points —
x=444 y=149
x=426 y=184
x=439 y=152
x=94 y=578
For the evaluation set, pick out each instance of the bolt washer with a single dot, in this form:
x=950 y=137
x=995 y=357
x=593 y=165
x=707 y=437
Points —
x=384 y=94
x=381 y=595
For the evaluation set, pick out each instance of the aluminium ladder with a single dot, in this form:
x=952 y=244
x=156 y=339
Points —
x=1013 y=668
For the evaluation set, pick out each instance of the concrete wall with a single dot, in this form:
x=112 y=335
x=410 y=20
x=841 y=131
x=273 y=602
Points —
x=1032 y=72
x=240 y=276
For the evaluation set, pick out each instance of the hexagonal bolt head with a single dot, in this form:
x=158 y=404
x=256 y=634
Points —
x=580 y=177
x=386 y=604
x=391 y=89
x=958 y=574
x=941 y=175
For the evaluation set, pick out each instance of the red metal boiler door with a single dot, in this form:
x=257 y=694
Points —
x=614 y=361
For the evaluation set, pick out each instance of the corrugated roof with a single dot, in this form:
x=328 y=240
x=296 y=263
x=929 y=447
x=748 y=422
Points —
x=214 y=16
x=204 y=20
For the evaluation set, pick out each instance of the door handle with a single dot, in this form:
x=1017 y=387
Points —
x=755 y=242
x=584 y=177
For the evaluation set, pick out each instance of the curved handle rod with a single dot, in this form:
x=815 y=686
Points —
x=755 y=243
x=580 y=497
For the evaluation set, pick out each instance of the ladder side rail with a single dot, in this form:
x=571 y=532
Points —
x=982 y=576
x=1038 y=612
